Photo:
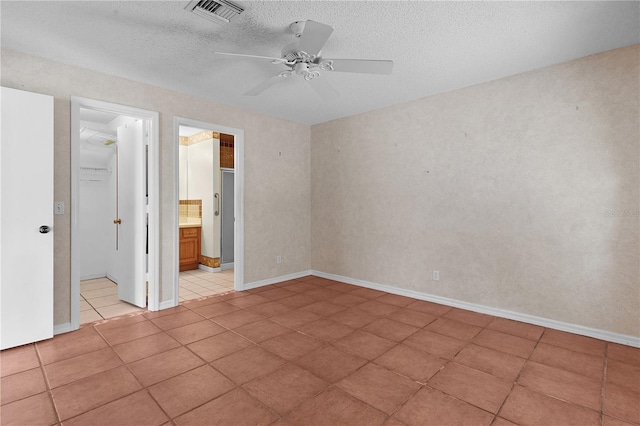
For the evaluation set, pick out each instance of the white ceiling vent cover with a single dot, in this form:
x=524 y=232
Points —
x=219 y=11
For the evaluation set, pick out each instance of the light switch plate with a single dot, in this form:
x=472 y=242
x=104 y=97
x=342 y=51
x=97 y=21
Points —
x=58 y=207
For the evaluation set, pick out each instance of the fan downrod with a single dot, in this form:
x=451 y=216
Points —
x=297 y=28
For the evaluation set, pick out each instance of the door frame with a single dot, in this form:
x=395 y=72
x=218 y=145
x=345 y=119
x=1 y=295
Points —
x=77 y=102
x=238 y=154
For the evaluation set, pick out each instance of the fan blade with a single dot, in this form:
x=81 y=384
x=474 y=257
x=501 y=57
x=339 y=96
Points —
x=314 y=36
x=323 y=88
x=359 y=65
x=280 y=60
x=266 y=84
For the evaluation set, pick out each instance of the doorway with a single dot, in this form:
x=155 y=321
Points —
x=114 y=209
x=202 y=151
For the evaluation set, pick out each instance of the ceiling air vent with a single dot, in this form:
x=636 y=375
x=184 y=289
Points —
x=219 y=11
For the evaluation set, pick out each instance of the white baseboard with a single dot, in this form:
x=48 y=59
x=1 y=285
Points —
x=62 y=328
x=92 y=276
x=112 y=278
x=502 y=313
x=208 y=268
x=225 y=266
x=275 y=280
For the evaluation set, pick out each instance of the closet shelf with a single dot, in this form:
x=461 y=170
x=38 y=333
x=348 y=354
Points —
x=94 y=174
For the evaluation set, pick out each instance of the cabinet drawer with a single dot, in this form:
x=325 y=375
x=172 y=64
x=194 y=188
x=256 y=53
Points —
x=189 y=232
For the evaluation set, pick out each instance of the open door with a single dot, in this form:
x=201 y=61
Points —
x=26 y=218
x=131 y=214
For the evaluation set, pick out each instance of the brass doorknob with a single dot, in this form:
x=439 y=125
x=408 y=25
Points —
x=117 y=221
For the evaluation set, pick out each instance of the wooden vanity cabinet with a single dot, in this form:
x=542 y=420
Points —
x=190 y=244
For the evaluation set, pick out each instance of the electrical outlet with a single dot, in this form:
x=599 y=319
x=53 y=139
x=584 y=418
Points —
x=278 y=259
x=436 y=275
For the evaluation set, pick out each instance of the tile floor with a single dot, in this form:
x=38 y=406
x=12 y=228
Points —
x=99 y=297
x=317 y=352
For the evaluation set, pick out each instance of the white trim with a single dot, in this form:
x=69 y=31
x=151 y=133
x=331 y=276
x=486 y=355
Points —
x=238 y=175
x=93 y=277
x=276 y=280
x=207 y=268
x=154 y=192
x=153 y=175
x=63 y=328
x=166 y=305
x=228 y=265
x=502 y=313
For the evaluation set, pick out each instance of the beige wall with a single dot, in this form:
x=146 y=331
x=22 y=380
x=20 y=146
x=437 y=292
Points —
x=522 y=192
x=277 y=217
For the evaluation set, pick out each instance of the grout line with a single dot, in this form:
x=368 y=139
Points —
x=604 y=382
x=515 y=381
x=248 y=309
x=46 y=381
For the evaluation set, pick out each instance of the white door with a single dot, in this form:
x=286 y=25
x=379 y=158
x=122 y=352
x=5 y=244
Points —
x=132 y=232
x=26 y=211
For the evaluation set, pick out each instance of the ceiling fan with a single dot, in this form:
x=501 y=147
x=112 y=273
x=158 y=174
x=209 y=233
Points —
x=303 y=58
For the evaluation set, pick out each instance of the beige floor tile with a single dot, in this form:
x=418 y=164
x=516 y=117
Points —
x=191 y=296
x=211 y=285
x=85 y=306
x=100 y=302
x=117 y=310
x=101 y=292
x=96 y=284
x=89 y=316
x=191 y=286
x=210 y=292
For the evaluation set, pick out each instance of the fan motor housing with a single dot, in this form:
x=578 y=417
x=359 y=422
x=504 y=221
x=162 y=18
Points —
x=297 y=28
x=290 y=53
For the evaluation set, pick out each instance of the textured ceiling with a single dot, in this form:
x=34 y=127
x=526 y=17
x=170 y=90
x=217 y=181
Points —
x=437 y=46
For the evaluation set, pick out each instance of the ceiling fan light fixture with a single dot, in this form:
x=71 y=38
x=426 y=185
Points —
x=326 y=65
x=301 y=68
x=311 y=75
x=304 y=58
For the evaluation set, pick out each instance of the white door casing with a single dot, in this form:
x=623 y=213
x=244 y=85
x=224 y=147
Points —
x=238 y=202
x=153 y=261
x=26 y=204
